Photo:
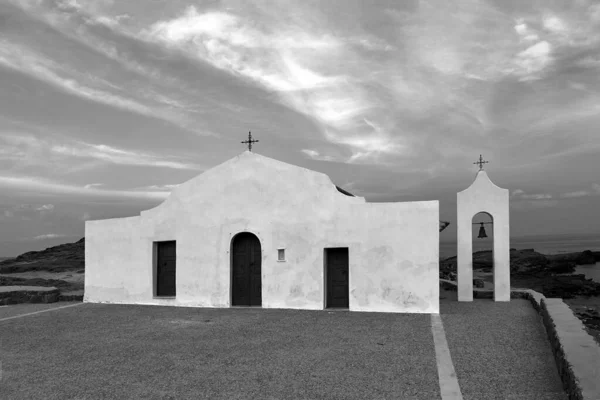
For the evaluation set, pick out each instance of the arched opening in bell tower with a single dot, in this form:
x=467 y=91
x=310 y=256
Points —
x=482 y=240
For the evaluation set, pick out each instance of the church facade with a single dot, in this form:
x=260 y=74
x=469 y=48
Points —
x=258 y=232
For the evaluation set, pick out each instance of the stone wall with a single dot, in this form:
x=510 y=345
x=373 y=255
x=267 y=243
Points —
x=576 y=353
x=24 y=295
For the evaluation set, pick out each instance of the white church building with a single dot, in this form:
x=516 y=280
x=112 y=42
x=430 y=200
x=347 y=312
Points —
x=255 y=231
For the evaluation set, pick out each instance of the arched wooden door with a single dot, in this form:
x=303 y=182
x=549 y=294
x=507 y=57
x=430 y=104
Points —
x=246 y=287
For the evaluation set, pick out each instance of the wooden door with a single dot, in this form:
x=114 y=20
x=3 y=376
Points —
x=246 y=283
x=337 y=278
x=165 y=269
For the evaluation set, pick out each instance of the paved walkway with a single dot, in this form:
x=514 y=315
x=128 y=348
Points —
x=479 y=350
x=500 y=350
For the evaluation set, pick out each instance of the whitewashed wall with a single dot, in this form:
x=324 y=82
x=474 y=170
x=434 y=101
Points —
x=393 y=247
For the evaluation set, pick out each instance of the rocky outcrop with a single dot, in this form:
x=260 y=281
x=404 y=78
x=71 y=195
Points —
x=550 y=275
x=478 y=283
x=522 y=262
x=587 y=257
x=64 y=257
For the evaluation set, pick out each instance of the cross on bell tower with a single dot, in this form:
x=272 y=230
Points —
x=481 y=162
x=250 y=141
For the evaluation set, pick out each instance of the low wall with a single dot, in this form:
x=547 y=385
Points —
x=576 y=353
x=24 y=294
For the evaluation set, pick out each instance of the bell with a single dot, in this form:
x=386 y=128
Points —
x=481 y=232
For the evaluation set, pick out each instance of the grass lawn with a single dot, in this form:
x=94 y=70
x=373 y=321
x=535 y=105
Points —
x=102 y=351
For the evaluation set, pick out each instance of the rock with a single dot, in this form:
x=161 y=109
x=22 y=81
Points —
x=521 y=262
x=561 y=267
x=585 y=258
x=444 y=285
x=478 y=283
x=561 y=286
x=527 y=261
x=64 y=257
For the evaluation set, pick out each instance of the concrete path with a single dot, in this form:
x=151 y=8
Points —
x=472 y=351
x=500 y=350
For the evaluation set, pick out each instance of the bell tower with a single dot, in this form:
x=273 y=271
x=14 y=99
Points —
x=483 y=196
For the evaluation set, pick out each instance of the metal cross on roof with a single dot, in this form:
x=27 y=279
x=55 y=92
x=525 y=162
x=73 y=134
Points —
x=250 y=141
x=481 y=162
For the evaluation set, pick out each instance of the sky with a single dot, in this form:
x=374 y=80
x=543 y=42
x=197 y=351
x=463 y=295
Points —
x=107 y=105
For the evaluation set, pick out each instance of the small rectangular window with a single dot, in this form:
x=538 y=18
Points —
x=280 y=254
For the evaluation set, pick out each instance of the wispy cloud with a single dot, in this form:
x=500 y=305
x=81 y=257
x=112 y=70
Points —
x=49 y=236
x=579 y=193
x=160 y=188
x=63 y=77
x=92 y=185
x=520 y=194
x=296 y=62
x=39 y=185
x=315 y=155
x=73 y=20
x=582 y=193
x=30 y=149
x=119 y=156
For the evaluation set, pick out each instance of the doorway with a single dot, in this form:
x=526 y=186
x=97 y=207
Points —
x=337 y=282
x=246 y=284
x=166 y=257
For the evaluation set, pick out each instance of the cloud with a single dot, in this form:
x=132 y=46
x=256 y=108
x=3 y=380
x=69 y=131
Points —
x=49 y=236
x=315 y=155
x=92 y=185
x=27 y=211
x=162 y=188
x=542 y=196
x=293 y=61
x=579 y=193
x=23 y=148
x=45 y=186
x=529 y=204
x=582 y=193
x=525 y=33
x=520 y=194
x=72 y=19
x=554 y=24
x=23 y=60
x=533 y=59
x=119 y=156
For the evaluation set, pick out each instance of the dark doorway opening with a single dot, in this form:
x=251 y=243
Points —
x=336 y=261
x=165 y=268
x=246 y=289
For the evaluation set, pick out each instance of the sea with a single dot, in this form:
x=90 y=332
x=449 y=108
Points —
x=545 y=244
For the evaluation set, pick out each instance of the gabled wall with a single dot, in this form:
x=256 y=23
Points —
x=393 y=247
